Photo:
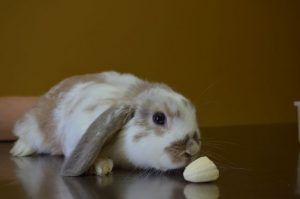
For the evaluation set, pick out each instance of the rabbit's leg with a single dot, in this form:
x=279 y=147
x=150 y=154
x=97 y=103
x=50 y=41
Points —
x=21 y=148
x=102 y=166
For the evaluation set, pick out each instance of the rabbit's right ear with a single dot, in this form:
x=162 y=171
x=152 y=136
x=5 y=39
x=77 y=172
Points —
x=89 y=146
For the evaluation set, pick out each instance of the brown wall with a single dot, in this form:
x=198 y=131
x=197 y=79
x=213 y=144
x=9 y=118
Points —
x=237 y=60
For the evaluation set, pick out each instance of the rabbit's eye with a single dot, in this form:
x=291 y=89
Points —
x=159 y=118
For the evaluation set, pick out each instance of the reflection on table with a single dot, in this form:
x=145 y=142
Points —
x=41 y=178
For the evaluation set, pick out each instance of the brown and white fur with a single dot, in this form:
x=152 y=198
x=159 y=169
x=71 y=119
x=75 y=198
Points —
x=61 y=117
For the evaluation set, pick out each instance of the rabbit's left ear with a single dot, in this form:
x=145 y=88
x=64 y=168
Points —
x=89 y=146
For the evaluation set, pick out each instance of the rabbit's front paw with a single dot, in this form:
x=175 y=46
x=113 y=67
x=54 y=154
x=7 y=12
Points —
x=103 y=166
x=21 y=148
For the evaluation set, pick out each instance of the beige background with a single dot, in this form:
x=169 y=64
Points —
x=237 y=60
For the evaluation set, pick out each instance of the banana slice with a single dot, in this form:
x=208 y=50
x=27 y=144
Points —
x=201 y=170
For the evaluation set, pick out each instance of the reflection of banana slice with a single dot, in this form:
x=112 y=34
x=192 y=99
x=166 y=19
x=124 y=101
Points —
x=201 y=170
x=201 y=191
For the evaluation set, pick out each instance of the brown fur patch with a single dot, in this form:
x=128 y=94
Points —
x=168 y=110
x=91 y=107
x=160 y=130
x=187 y=103
x=171 y=113
x=142 y=123
x=75 y=105
x=142 y=86
x=137 y=88
x=144 y=112
x=139 y=136
x=177 y=149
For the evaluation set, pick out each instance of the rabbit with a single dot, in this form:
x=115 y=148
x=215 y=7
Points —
x=105 y=119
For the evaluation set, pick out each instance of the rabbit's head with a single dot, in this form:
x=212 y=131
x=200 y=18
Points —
x=163 y=133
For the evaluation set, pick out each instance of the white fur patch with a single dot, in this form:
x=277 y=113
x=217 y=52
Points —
x=72 y=124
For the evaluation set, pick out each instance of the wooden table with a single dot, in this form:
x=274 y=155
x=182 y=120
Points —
x=254 y=162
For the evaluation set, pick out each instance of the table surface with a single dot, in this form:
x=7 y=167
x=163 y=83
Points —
x=254 y=162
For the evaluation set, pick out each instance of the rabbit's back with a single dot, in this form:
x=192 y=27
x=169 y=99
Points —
x=64 y=113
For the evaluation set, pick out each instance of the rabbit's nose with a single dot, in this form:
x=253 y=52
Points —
x=192 y=147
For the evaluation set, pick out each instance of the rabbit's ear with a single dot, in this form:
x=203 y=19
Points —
x=102 y=129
